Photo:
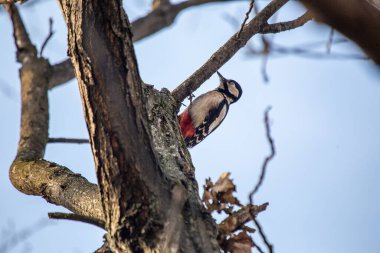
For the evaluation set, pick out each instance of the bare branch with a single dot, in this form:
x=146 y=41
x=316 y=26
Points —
x=29 y=173
x=330 y=41
x=246 y=17
x=58 y=185
x=308 y=53
x=262 y=235
x=67 y=140
x=162 y=16
x=285 y=26
x=61 y=73
x=257 y=247
x=224 y=53
x=264 y=64
x=34 y=72
x=51 y=33
x=357 y=19
x=25 y=48
x=267 y=159
x=77 y=217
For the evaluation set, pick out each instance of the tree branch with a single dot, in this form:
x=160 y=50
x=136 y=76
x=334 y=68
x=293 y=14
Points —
x=66 y=140
x=359 y=20
x=224 y=53
x=61 y=73
x=76 y=217
x=50 y=34
x=29 y=173
x=33 y=74
x=285 y=26
x=25 y=48
x=163 y=16
x=246 y=17
x=262 y=235
x=57 y=185
x=267 y=159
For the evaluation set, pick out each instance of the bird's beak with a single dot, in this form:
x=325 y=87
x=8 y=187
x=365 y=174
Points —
x=221 y=78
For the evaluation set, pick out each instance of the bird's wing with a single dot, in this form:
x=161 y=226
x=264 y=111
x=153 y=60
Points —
x=200 y=107
x=211 y=119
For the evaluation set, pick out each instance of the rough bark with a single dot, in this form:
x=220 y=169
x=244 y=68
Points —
x=141 y=162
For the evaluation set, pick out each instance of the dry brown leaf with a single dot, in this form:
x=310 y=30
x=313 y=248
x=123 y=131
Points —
x=241 y=243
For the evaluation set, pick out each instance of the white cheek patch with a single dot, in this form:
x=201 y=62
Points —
x=234 y=91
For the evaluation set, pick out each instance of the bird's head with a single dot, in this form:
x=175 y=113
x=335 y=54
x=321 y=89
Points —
x=230 y=88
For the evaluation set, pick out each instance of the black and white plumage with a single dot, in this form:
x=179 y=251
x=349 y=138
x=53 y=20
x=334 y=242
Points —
x=208 y=111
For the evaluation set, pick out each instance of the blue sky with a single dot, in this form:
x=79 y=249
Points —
x=323 y=184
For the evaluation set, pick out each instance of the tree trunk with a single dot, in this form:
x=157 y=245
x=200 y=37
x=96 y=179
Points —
x=146 y=178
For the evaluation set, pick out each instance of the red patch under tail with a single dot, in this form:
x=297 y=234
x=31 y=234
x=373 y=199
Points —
x=186 y=125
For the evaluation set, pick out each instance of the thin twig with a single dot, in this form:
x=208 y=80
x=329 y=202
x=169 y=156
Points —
x=246 y=17
x=309 y=53
x=266 y=51
x=264 y=64
x=267 y=159
x=330 y=41
x=25 y=48
x=68 y=140
x=288 y=25
x=77 y=217
x=257 y=246
x=51 y=33
x=263 y=236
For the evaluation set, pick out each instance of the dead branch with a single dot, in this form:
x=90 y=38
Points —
x=261 y=179
x=77 y=217
x=267 y=159
x=68 y=140
x=50 y=34
x=246 y=17
x=262 y=235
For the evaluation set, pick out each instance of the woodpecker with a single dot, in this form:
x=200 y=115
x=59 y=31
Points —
x=208 y=111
